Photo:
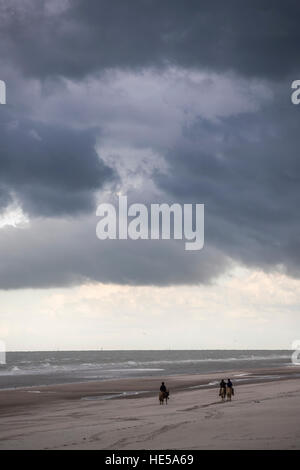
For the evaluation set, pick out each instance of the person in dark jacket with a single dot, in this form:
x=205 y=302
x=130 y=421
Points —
x=222 y=384
x=222 y=392
x=163 y=394
x=229 y=390
x=163 y=388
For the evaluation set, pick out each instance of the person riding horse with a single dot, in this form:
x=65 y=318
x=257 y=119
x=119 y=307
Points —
x=229 y=390
x=163 y=394
x=222 y=392
x=226 y=389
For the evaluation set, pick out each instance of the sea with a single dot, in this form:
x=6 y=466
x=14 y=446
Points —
x=38 y=368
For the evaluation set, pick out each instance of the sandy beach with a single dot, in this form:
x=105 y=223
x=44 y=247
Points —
x=264 y=414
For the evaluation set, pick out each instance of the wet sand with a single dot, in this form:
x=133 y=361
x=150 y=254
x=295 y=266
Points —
x=125 y=414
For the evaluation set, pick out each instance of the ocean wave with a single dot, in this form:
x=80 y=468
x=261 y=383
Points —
x=227 y=359
x=82 y=365
x=132 y=370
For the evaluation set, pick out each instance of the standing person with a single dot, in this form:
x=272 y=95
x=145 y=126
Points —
x=222 y=392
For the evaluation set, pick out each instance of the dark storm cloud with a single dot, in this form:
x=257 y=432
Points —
x=51 y=170
x=257 y=38
x=244 y=167
x=75 y=255
x=246 y=170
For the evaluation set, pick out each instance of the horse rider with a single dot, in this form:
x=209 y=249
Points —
x=163 y=388
x=222 y=392
x=222 y=384
x=230 y=390
x=229 y=383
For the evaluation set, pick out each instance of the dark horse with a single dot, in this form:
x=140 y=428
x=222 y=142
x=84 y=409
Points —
x=163 y=396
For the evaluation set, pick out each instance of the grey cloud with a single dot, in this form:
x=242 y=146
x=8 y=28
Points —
x=76 y=255
x=246 y=171
x=51 y=170
x=258 y=38
x=244 y=166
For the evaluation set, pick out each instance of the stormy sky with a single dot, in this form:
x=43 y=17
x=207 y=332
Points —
x=162 y=101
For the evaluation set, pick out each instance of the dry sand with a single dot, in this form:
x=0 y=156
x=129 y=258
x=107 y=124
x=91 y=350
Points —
x=75 y=416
